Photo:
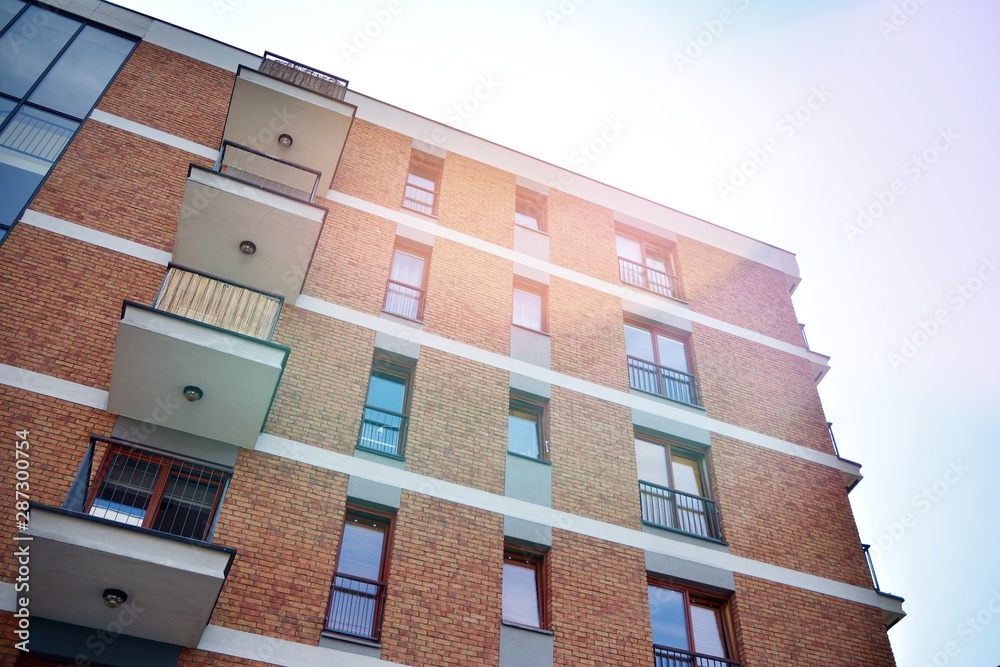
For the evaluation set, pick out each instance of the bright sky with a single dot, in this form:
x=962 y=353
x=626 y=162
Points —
x=779 y=120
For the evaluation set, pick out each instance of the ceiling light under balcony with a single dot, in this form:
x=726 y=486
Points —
x=284 y=139
x=114 y=598
x=193 y=393
x=248 y=247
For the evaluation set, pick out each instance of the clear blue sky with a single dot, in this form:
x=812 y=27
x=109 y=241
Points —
x=859 y=135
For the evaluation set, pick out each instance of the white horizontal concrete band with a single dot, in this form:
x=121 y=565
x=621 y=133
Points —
x=46 y=385
x=155 y=135
x=95 y=237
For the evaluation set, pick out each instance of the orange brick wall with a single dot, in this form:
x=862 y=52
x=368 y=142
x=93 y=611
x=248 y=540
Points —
x=588 y=338
x=62 y=300
x=445 y=577
x=582 y=236
x=477 y=199
x=374 y=164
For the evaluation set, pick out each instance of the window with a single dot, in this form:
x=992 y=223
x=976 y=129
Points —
x=658 y=364
x=529 y=306
x=672 y=489
x=404 y=292
x=358 y=592
x=648 y=264
x=142 y=488
x=523 y=587
x=53 y=70
x=423 y=183
x=689 y=629
x=383 y=424
x=529 y=210
x=526 y=428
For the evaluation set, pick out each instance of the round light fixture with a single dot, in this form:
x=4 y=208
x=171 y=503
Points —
x=193 y=393
x=285 y=140
x=248 y=247
x=114 y=598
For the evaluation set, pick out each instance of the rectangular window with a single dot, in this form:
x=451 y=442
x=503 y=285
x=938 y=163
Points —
x=526 y=428
x=143 y=488
x=658 y=364
x=524 y=587
x=530 y=306
x=648 y=264
x=529 y=210
x=673 y=490
x=383 y=424
x=53 y=70
x=358 y=592
x=423 y=183
x=689 y=628
x=404 y=291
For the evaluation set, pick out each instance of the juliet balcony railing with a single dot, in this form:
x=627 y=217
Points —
x=356 y=607
x=671 y=657
x=419 y=199
x=303 y=76
x=383 y=431
x=654 y=280
x=267 y=172
x=218 y=303
x=676 y=510
x=662 y=381
x=404 y=300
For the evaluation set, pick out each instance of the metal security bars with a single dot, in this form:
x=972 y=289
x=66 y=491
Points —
x=267 y=172
x=671 y=657
x=404 y=300
x=33 y=134
x=676 y=510
x=303 y=76
x=356 y=607
x=660 y=282
x=222 y=304
x=147 y=488
x=871 y=565
x=667 y=382
x=419 y=199
x=383 y=431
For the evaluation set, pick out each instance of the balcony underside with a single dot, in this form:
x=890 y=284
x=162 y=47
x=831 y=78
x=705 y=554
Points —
x=219 y=213
x=172 y=584
x=892 y=609
x=158 y=354
x=262 y=108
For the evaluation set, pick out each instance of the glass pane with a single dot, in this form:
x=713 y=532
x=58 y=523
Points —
x=638 y=343
x=5 y=108
x=656 y=260
x=387 y=392
x=686 y=475
x=27 y=48
x=38 y=135
x=82 y=72
x=525 y=220
x=651 y=460
x=672 y=353
x=706 y=623
x=520 y=594
x=126 y=490
x=527 y=309
x=522 y=432
x=361 y=550
x=666 y=613
x=629 y=249
x=8 y=8
x=407 y=269
x=422 y=178
x=187 y=506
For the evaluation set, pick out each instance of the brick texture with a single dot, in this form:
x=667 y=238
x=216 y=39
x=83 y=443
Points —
x=477 y=199
x=582 y=236
x=588 y=336
x=374 y=164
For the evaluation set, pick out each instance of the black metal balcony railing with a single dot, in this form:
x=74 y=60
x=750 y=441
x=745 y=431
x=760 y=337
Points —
x=418 y=199
x=676 y=510
x=833 y=438
x=871 y=566
x=404 y=300
x=145 y=487
x=667 y=382
x=267 y=172
x=671 y=657
x=303 y=76
x=654 y=280
x=356 y=607
x=383 y=431
x=202 y=298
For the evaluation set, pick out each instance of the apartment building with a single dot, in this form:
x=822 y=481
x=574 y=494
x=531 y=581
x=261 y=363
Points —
x=291 y=376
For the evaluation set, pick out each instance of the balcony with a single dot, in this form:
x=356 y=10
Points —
x=293 y=112
x=891 y=605
x=139 y=521
x=383 y=431
x=671 y=657
x=199 y=360
x=664 y=284
x=404 y=300
x=675 y=510
x=662 y=381
x=251 y=219
x=356 y=607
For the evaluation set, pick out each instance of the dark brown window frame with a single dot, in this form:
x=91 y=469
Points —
x=434 y=167
x=537 y=560
x=539 y=407
x=531 y=200
x=682 y=337
x=384 y=365
x=706 y=599
x=685 y=451
x=648 y=243
x=423 y=252
x=539 y=290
